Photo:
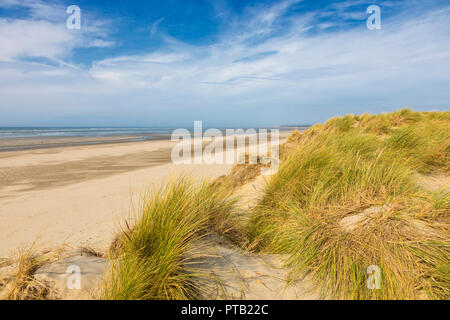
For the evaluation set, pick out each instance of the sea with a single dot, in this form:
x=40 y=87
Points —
x=23 y=138
x=36 y=132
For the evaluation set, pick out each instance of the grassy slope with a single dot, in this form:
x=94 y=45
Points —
x=343 y=167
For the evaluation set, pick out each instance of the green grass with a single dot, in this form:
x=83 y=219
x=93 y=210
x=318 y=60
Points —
x=340 y=169
x=155 y=258
x=426 y=142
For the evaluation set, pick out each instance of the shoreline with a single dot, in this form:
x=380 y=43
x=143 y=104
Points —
x=47 y=142
x=32 y=143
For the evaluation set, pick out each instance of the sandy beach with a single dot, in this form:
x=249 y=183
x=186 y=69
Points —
x=81 y=194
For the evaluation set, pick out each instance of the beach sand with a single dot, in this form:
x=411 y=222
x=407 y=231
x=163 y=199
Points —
x=81 y=195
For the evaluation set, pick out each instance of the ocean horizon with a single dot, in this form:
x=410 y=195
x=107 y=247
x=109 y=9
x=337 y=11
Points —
x=92 y=132
x=47 y=132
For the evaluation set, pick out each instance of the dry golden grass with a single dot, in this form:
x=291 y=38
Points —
x=23 y=285
x=89 y=251
x=240 y=174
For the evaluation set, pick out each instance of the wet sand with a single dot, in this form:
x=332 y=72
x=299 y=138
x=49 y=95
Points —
x=18 y=144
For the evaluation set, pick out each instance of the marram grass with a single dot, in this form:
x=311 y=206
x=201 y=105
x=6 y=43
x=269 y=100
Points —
x=156 y=257
x=361 y=170
x=336 y=171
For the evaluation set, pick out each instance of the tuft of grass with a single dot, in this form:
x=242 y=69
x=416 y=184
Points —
x=156 y=258
x=241 y=173
x=89 y=251
x=441 y=200
x=362 y=169
x=23 y=285
x=427 y=143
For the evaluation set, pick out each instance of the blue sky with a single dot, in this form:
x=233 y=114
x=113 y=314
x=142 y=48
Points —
x=228 y=63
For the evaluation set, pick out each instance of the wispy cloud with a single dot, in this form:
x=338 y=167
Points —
x=155 y=26
x=266 y=59
x=44 y=34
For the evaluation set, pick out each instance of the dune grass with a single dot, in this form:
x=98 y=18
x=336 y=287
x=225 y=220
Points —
x=23 y=285
x=156 y=256
x=336 y=171
x=345 y=197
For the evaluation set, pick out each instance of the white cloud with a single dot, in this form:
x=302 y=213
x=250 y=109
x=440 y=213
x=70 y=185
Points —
x=38 y=9
x=44 y=34
x=33 y=38
x=100 y=43
x=298 y=59
x=306 y=76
